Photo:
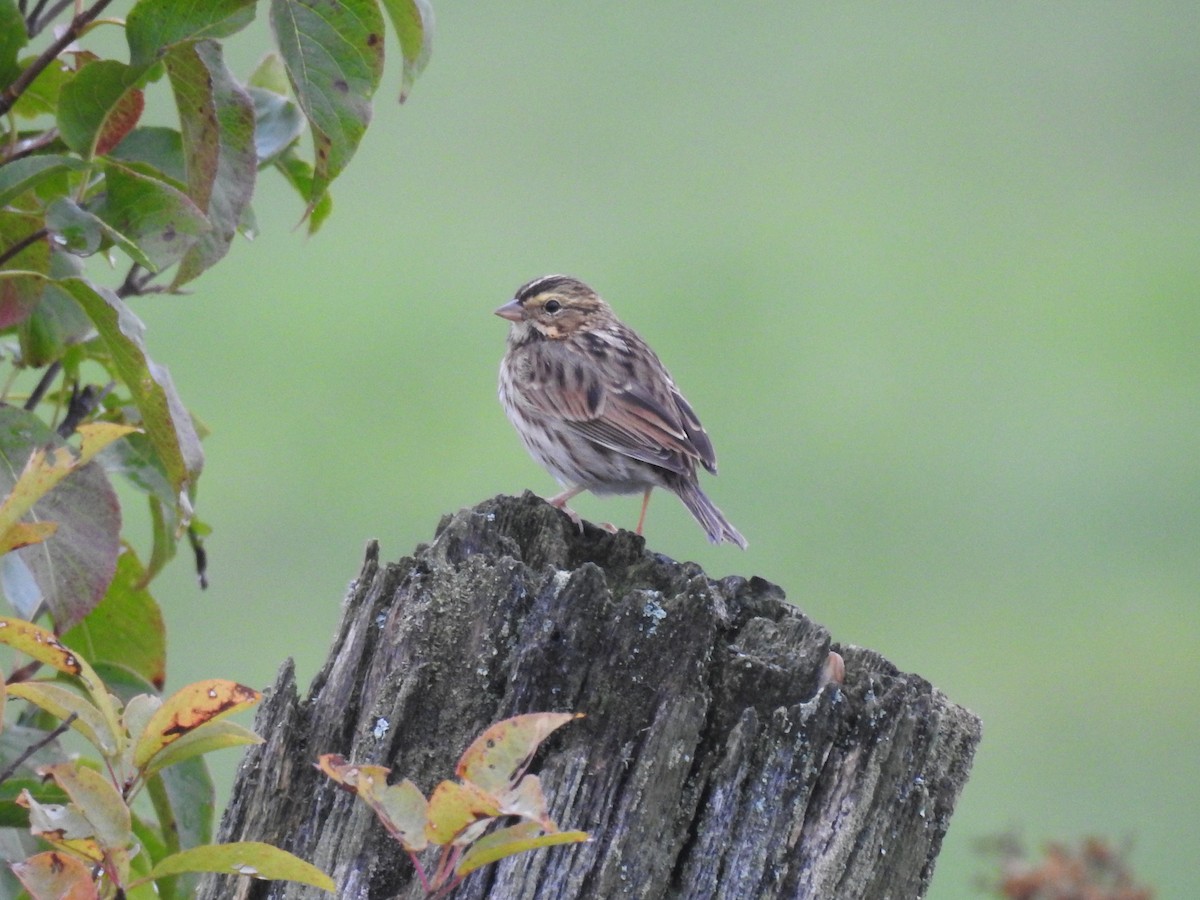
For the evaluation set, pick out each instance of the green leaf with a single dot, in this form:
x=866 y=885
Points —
x=334 y=56
x=154 y=27
x=41 y=97
x=23 y=283
x=55 y=324
x=299 y=175
x=204 y=739
x=99 y=106
x=278 y=122
x=160 y=219
x=71 y=570
x=508 y=841
x=413 y=21
x=13 y=815
x=217 y=121
x=25 y=174
x=74 y=229
x=252 y=858
x=127 y=627
x=270 y=75
x=165 y=420
x=157 y=147
x=184 y=801
x=12 y=38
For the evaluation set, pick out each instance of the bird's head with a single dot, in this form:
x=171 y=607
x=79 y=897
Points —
x=555 y=307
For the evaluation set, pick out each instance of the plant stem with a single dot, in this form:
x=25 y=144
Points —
x=13 y=92
x=22 y=244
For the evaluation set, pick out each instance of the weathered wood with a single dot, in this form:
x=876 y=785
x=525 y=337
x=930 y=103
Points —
x=712 y=762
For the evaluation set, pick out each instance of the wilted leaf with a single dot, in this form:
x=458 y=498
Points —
x=127 y=628
x=189 y=708
x=413 y=21
x=458 y=813
x=401 y=808
x=59 y=823
x=154 y=27
x=55 y=876
x=508 y=841
x=251 y=858
x=497 y=759
x=165 y=420
x=334 y=56
x=99 y=106
x=99 y=802
x=217 y=119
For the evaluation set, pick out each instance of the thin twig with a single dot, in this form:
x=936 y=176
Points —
x=38 y=745
x=43 y=385
x=37 y=26
x=201 y=556
x=22 y=244
x=70 y=33
x=81 y=405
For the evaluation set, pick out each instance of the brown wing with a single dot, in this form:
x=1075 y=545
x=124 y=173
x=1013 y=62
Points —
x=624 y=400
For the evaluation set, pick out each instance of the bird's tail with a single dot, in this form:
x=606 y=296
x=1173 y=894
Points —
x=712 y=520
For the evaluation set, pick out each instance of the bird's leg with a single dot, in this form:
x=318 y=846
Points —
x=559 y=501
x=645 y=504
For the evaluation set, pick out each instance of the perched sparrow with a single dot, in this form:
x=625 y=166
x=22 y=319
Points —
x=594 y=405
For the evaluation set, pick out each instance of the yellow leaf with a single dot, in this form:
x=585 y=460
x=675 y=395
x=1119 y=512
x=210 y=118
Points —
x=497 y=759
x=189 y=708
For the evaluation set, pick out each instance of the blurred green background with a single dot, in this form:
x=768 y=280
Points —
x=930 y=273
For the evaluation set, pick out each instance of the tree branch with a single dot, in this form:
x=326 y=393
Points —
x=22 y=244
x=13 y=92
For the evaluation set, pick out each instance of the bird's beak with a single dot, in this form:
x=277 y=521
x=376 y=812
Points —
x=511 y=311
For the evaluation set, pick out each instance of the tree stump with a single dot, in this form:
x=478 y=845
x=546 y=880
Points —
x=715 y=760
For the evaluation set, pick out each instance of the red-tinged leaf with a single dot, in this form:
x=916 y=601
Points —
x=22 y=286
x=413 y=21
x=508 y=841
x=334 y=57
x=97 y=800
x=217 y=120
x=99 y=106
x=188 y=709
x=167 y=424
x=121 y=120
x=55 y=876
x=153 y=27
x=497 y=759
x=127 y=628
x=257 y=860
x=458 y=813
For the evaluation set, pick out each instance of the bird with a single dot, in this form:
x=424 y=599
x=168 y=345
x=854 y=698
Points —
x=595 y=406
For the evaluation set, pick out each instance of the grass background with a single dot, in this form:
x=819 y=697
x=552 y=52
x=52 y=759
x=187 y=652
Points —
x=930 y=273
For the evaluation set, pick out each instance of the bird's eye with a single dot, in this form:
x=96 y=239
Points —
x=552 y=306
